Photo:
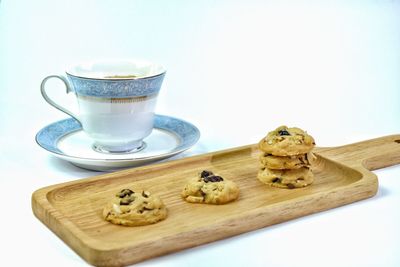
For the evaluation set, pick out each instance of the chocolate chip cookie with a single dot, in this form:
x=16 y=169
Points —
x=134 y=208
x=209 y=188
x=286 y=162
x=285 y=141
x=291 y=179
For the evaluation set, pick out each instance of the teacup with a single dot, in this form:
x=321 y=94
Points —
x=116 y=101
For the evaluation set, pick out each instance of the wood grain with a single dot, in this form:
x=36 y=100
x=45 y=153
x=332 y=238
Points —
x=73 y=210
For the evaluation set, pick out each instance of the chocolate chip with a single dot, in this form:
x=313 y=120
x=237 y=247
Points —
x=125 y=201
x=283 y=132
x=142 y=210
x=207 y=179
x=276 y=180
x=219 y=178
x=145 y=194
x=290 y=186
x=128 y=191
x=205 y=173
x=213 y=178
x=125 y=192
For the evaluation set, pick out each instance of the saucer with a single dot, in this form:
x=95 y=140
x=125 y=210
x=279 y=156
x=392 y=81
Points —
x=65 y=139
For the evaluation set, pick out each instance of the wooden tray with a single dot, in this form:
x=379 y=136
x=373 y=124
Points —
x=73 y=210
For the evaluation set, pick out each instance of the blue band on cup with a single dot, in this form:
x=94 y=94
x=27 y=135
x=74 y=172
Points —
x=118 y=88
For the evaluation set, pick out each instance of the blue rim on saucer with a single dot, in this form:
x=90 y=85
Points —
x=49 y=137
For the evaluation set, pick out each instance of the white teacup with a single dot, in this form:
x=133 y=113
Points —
x=116 y=101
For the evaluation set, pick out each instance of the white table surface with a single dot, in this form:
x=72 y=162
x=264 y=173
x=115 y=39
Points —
x=236 y=69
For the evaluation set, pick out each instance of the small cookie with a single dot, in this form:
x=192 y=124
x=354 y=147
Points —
x=286 y=162
x=134 y=209
x=286 y=178
x=210 y=189
x=286 y=141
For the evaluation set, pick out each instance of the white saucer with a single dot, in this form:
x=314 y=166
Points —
x=66 y=140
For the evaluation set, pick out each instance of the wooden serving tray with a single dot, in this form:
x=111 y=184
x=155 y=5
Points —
x=73 y=210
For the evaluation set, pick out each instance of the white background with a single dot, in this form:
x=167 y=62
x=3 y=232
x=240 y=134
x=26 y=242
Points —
x=236 y=69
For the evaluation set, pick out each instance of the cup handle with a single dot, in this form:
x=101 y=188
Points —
x=51 y=102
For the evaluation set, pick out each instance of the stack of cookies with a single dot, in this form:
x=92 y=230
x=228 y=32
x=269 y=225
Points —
x=286 y=158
